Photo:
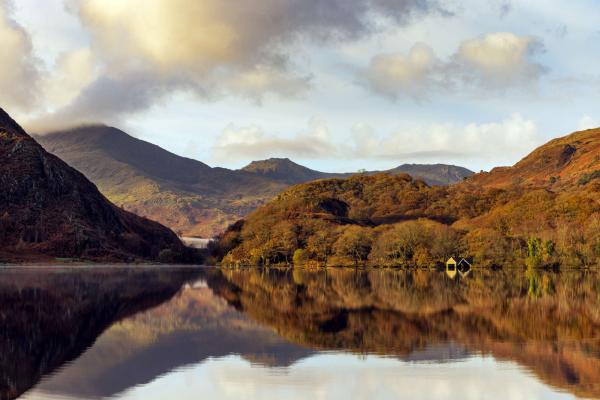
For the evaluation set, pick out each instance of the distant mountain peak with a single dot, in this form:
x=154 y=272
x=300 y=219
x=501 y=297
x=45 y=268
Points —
x=285 y=170
x=271 y=163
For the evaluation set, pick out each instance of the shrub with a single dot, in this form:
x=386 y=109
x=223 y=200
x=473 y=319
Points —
x=166 y=256
x=300 y=257
x=587 y=178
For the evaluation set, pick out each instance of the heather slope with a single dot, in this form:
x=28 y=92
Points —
x=48 y=209
x=559 y=164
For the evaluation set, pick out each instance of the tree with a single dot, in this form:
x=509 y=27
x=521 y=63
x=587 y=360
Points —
x=354 y=244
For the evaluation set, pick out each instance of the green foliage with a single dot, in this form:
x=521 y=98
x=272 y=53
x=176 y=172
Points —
x=300 y=257
x=534 y=252
x=588 y=177
x=549 y=248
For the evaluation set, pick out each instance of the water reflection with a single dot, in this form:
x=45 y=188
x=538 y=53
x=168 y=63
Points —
x=300 y=334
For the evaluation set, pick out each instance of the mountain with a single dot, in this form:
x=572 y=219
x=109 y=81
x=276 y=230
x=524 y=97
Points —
x=434 y=174
x=285 y=170
x=48 y=209
x=50 y=318
x=543 y=210
x=184 y=194
x=562 y=162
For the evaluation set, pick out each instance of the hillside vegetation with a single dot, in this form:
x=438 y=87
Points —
x=544 y=210
x=184 y=194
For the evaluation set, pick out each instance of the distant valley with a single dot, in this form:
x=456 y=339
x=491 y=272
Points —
x=187 y=195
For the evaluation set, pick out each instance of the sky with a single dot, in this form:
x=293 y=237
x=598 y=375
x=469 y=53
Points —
x=339 y=376
x=337 y=85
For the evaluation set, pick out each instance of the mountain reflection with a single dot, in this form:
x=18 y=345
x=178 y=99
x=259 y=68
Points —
x=100 y=333
x=50 y=317
x=547 y=322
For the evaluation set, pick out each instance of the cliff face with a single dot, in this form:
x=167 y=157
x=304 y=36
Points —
x=48 y=209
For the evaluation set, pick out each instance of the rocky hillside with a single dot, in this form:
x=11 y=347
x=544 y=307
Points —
x=48 y=209
x=184 y=194
x=544 y=210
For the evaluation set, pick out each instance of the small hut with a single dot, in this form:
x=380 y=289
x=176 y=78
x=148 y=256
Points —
x=451 y=265
x=459 y=265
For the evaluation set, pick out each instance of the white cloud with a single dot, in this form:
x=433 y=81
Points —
x=72 y=72
x=18 y=70
x=502 y=142
x=496 y=61
x=501 y=59
x=410 y=75
x=587 y=122
x=252 y=142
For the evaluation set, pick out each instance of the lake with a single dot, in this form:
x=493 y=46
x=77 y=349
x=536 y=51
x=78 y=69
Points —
x=187 y=333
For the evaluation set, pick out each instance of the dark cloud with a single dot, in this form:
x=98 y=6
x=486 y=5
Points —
x=213 y=47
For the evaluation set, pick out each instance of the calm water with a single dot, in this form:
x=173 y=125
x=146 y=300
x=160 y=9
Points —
x=157 y=333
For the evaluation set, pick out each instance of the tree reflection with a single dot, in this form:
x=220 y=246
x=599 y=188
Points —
x=548 y=322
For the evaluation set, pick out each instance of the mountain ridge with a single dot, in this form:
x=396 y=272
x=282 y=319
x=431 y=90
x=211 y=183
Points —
x=184 y=194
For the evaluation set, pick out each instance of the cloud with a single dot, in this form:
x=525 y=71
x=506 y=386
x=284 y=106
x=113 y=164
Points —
x=503 y=142
x=411 y=74
x=19 y=68
x=587 y=122
x=106 y=100
x=145 y=50
x=72 y=72
x=496 y=61
x=500 y=142
x=252 y=142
